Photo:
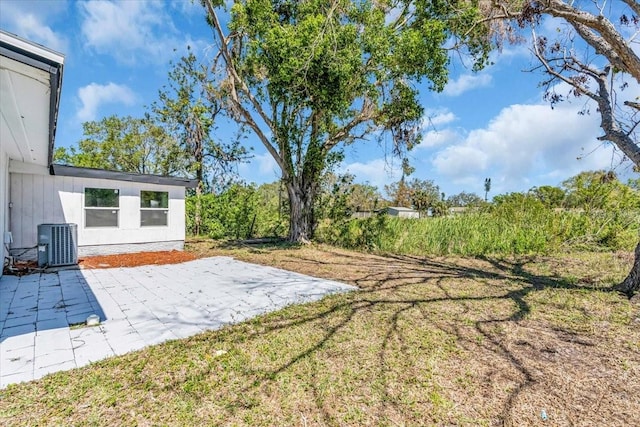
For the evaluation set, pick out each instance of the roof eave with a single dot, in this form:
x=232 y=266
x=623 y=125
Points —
x=38 y=56
x=73 y=171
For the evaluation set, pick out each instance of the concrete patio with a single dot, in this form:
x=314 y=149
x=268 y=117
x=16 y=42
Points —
x=138 y=307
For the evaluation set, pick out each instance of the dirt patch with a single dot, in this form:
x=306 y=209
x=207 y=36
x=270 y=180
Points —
x=136 y=259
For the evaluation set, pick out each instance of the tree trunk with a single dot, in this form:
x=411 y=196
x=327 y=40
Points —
x=631 y=285
x=301 y=219
x=197 y=217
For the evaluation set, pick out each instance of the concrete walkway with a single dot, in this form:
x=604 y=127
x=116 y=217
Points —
x=138 y=306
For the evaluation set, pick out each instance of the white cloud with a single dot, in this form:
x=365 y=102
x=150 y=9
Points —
x=378 y=172
x=509 y=52
x=460 y=160
x=94 y=95
x=266 y=164
x=524 y=141
x=434 y=138
x=29 y=20
x=465 y=83
x=433 y=134
x=131 y=31
x=438 y=117
x=188 y=7
x=260 y=168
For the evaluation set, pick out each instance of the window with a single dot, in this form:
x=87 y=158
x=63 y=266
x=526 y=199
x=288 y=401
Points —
x=154 y=208
x=101 y=206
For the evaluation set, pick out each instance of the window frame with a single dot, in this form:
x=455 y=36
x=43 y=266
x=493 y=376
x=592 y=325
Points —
x=154 y=209
x=101 y=208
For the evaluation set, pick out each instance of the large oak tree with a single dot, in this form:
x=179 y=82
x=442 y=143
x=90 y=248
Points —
x=310 y=77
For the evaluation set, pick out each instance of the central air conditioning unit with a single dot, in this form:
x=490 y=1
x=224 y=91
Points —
x=57 y=244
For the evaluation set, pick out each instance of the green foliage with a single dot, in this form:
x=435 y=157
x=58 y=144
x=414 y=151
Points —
x=333 y=200
x=599 y=190
x=424 y=195
x=421 y=195
x=516 y=223
x=365 y=234
x=125 y=144
x=399 y=193
x=239 y=212
x=364 y=197
x=490 y=233
x=551 y=197
x=464 y=199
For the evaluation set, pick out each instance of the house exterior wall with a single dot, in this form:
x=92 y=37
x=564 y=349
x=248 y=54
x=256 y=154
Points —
x=39 y=198
x=4 y=180
x=403 y=213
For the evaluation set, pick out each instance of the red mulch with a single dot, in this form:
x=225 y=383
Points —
x=136 y=259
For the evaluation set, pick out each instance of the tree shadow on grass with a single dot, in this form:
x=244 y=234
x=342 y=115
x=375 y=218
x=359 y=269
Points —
x=389 y=289
x=405 y=296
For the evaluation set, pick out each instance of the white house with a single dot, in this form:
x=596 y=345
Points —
x=113 y=212
x=402 y=212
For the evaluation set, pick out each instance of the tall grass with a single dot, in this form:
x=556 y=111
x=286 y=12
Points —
x=494 y=232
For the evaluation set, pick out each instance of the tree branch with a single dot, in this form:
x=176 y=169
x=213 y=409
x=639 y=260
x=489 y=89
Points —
x=612 y=130
x=619 y=53
x=235 y=99
x=366 y=114
x=596 y=30
x=633 y=5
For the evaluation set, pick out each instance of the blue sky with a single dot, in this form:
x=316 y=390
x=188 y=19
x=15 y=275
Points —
x=489 y=124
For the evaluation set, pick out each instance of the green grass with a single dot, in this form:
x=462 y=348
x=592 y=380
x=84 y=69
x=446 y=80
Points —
x=490 y=233
x=426 y=341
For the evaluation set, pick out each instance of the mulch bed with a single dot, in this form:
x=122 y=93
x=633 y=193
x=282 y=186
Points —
x=136 y=259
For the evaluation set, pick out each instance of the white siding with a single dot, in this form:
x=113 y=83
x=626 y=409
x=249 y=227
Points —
x=41 y=198
x=403 y=212
x=4 y=202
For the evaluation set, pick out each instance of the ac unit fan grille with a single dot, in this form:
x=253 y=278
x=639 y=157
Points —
x=61 y=240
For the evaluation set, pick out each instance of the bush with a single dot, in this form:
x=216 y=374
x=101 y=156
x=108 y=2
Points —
x=237 y=213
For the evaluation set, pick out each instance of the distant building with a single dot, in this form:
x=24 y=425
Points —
x=458 y=210
x=363 y=214
x=401 y=212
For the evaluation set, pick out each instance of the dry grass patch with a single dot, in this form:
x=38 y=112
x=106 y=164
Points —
x=427 y=341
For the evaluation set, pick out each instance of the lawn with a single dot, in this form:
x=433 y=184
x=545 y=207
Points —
x=426 y=341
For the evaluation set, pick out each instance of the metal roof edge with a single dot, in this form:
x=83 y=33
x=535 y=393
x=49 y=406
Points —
x=79 y=172
x=30 y=48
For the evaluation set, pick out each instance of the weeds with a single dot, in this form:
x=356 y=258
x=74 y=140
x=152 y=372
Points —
x=497 y=232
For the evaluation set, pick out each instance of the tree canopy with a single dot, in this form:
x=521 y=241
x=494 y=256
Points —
x=464 y=199
x=188 y=112
x=125 y=144
x=310 y=77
